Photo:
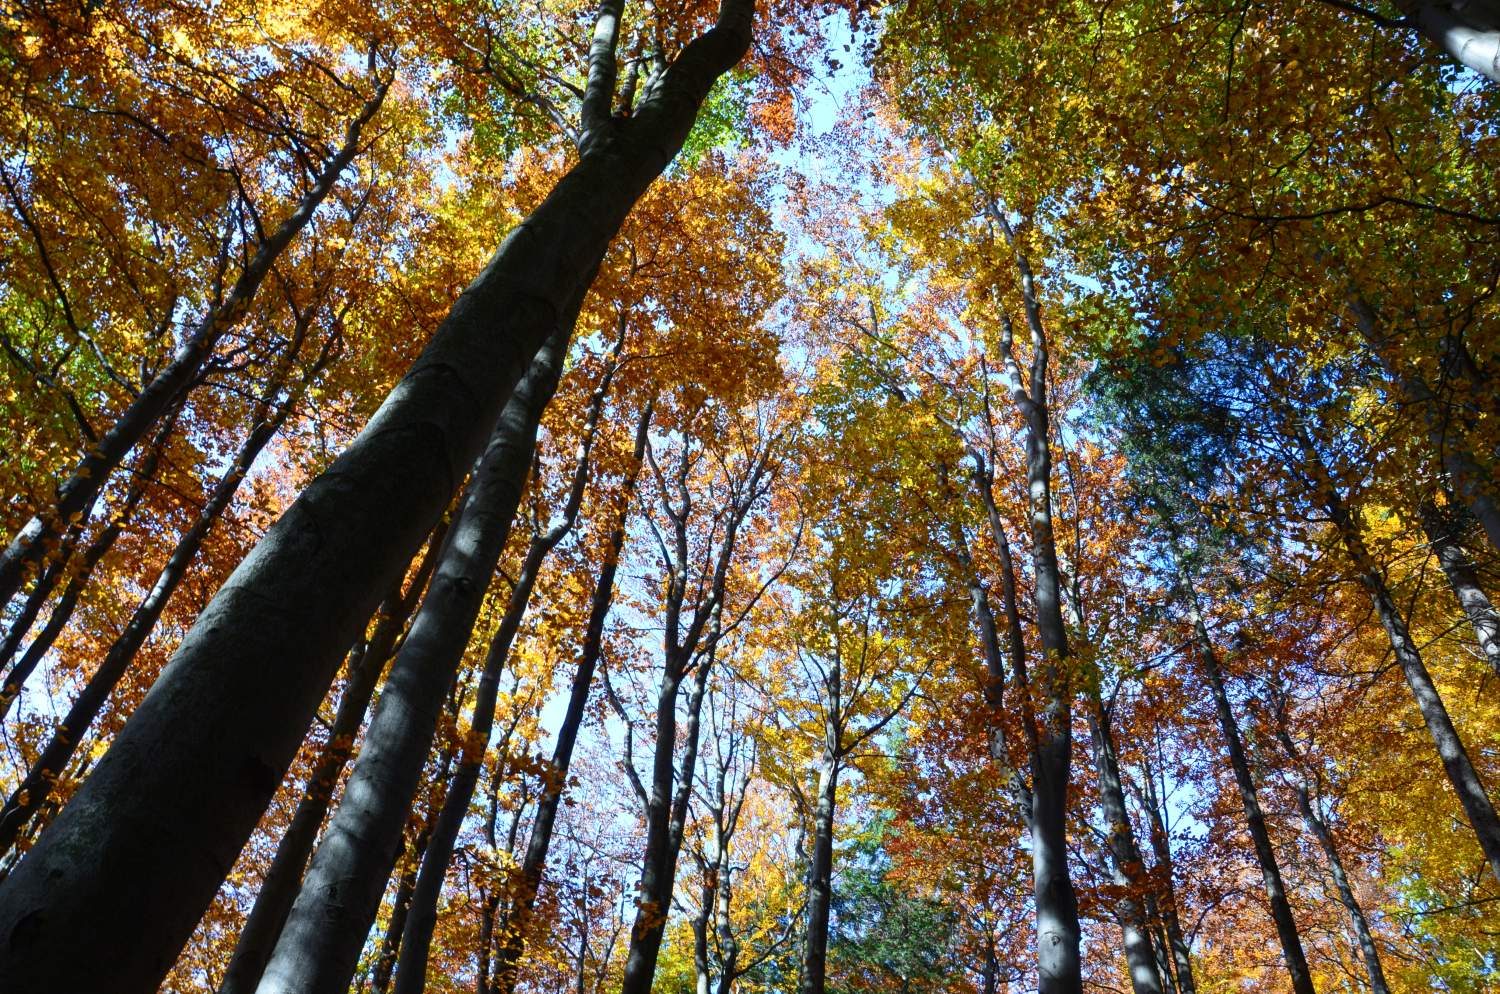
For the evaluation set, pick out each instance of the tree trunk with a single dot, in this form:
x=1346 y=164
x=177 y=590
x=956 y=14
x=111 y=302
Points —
x=1255 y=819
x=278 y=890
x=1464 y=581
x=665 y=818
x=820 y=881
x=1450 y=747
x=411 y=970
x=319 y=946
x=62 y=611
x=1161 y=848
x=1125 y=856
x=534 y=864
x=107 y=897
x=1374 y=971
x=1461 y=31
x=36 y=787
x=167 y=387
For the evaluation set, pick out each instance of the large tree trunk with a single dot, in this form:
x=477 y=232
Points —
x=820 y=880
x=107 y=897
x=1450 y=747
x=319 y=946
x=278 y=889
x=1467 y=32
x=35 y=789
x=1125 y=856
x=1464 y=581
x=79 y=491
x=1255 y=819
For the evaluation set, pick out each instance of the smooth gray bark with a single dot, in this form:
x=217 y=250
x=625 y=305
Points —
x=1059 y=934
x=318 y=949
x=1451 y=750
x=1125 y=856
x=1468 y=32
x=105 y=900
x=1255 y=819
x=1318 y=826
x=411 y=968
x=278 y=889
x=1463 y=579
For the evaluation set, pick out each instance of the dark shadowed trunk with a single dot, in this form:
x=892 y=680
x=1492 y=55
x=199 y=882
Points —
x=319 y=945
x=273 y=902
x=107 y=897
x=1255 y=819
x=820 y=879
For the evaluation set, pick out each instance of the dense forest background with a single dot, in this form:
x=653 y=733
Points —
x=749 y=498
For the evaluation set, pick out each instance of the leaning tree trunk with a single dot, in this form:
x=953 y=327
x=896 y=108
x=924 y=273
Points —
x=37 y=785
x=1255 y=819
x=820 y=881
x=319 y=946
x=1450 y=747
x=411 y=970
x=278 y=889
x=1374 y=970
x=1464 y=581
x=62 y=611
x=115 y=886
x=94 y=468
x=1125 y=856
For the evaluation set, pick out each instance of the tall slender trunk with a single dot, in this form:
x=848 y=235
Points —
x=390 y=944
x=411 y=970
x=1450 y=747
x=109 y=894
x=156 y=398
x=1374 y=970
x=278 y=889
x=666 y=815
x=820 y=880
x=319 y=945
x=534 y=865
x=1464 y=581
x=1125 y=855
x=1161 y=849
x=1255 y=819
x=35 y=789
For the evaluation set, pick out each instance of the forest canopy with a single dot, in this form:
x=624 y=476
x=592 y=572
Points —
x=734 y=497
